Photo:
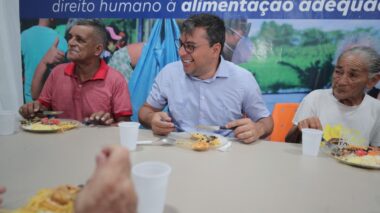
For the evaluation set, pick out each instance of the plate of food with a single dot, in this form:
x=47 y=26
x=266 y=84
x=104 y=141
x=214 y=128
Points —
x=58 y=200
x=198 y=141
x=359 y=156
x=47 y=125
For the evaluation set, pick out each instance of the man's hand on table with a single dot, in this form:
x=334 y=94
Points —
x=110 y=188
x=312 y=123
x=100 y=118
x=246 y=130
x=162 y=124
x=30 y=109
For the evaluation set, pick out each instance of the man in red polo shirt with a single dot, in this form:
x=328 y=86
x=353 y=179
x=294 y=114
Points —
x=86 y=88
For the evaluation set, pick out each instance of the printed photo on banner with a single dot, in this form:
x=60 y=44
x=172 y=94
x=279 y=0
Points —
x=289 y=46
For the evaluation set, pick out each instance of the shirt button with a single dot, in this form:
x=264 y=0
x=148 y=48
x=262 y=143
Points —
x=202 y=97
x=80 y=85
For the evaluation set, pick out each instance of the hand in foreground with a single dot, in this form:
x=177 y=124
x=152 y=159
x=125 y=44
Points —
x=110 y=188
x=162 y=123
x=29 y=110
x=2 y=191
x=246 y=130
x=312 y=122
x=101 y=118
x=54 y=55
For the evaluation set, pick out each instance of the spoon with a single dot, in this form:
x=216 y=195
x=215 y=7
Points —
x=160 y=141
x=165 y=141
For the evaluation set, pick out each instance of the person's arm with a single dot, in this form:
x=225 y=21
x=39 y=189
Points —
x=160 y=122
x=249 y=131
x=145 y=115
x=110 y=188
x=266 y=125
x=2 y=191
x=37 y=83
x=52 y=56
x=295 y=135
x=30 y=109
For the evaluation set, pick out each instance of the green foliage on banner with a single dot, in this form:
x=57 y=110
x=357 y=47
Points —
x=291 y=60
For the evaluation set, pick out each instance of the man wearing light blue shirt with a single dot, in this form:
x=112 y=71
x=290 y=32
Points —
x=204 y=89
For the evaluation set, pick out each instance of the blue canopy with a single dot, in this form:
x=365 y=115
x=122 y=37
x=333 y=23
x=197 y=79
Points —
x=161 y=49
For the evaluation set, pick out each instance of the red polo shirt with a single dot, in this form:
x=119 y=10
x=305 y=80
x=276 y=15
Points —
x=107 y=91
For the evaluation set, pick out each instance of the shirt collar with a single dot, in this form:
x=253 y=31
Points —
x=99 y=75
x=221 y=72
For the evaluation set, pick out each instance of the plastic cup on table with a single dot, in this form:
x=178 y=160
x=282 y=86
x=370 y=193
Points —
x=151 y=180
x=129 y=132
x=311 y=141
x=7 y=122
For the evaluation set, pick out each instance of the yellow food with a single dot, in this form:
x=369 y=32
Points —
x=366 y=160
x=200 y=146
x=215 y=142
x=198 y=136
x=58 y=200
x=204 y=142
x=64 y=125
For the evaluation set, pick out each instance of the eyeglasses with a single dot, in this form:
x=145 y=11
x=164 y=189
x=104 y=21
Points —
x=235 y=32
x=189 y=48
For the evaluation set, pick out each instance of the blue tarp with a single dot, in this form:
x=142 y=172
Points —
x=161 y=49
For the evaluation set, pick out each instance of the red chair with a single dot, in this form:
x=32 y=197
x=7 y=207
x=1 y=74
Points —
x=282 y=114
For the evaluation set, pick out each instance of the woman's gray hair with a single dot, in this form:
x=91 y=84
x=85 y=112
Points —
x=369 y=54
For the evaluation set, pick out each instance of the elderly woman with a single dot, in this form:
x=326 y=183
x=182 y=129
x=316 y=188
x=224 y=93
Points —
x=345 y=111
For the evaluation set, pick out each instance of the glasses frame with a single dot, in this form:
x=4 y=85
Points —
x=189 y=48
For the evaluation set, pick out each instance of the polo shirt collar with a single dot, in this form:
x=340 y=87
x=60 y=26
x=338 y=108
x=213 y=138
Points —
x=99 y=75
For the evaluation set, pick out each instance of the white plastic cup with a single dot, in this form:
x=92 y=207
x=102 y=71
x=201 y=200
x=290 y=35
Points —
x=129 y=132
x=7 y=122
x=151 y=180
x=311 y=141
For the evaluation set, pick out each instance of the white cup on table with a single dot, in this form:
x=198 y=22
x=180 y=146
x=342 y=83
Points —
x=311 y=141
x=129 y=132
x=151 y=180
x=7 y=122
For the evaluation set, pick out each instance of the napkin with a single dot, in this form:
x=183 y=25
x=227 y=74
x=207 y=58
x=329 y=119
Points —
x=144 y=142
x=225 y=147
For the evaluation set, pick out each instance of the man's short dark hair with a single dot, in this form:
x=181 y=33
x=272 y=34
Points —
x=99 y=28
x=213 y=25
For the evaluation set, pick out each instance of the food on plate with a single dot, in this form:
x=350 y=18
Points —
x=363 y=156
x=354 y=149
x=57 y=200
x=200 y=146
x=198 y=136
x=214 y=141
x=51 y=121
x=361 y=160
x=51 y=124
x=204 y=142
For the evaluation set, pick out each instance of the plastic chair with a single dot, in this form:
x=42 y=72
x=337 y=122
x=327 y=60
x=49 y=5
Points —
x=282 y=114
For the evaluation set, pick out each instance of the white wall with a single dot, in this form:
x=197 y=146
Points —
x=10 y=57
